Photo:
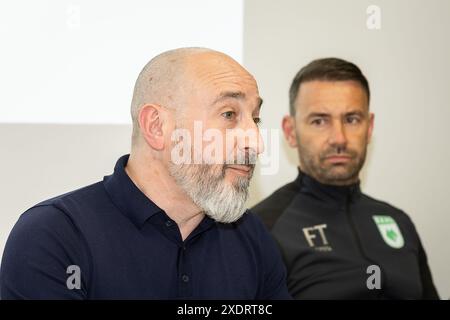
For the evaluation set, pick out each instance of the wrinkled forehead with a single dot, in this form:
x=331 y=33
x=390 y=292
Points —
x=211 y=74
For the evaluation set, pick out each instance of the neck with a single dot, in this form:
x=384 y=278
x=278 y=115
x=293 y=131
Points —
x=328 y=193
x=336 y=182
x=152 y=177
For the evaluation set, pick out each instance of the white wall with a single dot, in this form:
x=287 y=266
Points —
x=78 y=59
x=407 y=63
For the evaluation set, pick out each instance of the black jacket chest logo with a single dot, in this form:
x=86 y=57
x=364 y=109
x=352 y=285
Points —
x=316 y=237
x=389 y=230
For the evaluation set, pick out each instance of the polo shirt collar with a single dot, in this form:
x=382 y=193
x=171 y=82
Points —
x=127 y=197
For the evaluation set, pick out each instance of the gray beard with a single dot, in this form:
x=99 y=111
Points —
x=206 y=186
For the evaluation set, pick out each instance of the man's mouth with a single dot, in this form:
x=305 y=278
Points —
x=338 y=159
x=244 y=170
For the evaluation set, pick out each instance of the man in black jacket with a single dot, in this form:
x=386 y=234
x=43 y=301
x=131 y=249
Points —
x=337 y=242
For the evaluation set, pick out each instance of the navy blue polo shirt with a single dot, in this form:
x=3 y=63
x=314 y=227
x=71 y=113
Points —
x=123 y=246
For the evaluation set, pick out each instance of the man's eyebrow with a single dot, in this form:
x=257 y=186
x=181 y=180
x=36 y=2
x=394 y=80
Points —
x=318 y=115
x=327 y=115
x=355 y=113
x=239 y=95
x=230 y=95
x=260 y=102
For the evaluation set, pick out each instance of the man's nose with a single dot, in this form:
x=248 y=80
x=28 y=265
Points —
x=337 y=134
x=253 y=140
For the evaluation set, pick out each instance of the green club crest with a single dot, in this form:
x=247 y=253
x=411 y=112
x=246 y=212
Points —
x=389 y=231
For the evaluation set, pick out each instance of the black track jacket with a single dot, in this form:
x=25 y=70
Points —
x=333 y=239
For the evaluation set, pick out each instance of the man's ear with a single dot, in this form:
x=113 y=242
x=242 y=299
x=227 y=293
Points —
x=371 y=124
x=288 y=125
x=151 y=125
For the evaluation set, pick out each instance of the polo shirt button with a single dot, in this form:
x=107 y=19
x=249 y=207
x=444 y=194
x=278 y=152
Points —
x=185 y=278
x=168 y=223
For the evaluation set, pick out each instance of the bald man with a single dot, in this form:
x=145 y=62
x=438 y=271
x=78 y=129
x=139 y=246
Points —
x=170 y=222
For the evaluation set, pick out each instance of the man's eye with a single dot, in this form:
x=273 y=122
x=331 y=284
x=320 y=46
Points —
x=318 y=122
x=353 y=120
x=229 y=115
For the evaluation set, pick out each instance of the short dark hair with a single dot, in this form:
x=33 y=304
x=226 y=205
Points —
x=326 y=69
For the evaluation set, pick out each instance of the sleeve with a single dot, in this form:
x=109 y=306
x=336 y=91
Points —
x=429 y=290
x=39 y=258
x=274 y=285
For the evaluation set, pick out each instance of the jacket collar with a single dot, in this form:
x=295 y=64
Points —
x=330 y=194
